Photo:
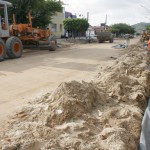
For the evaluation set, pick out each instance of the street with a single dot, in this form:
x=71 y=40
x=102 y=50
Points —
x=40 y=71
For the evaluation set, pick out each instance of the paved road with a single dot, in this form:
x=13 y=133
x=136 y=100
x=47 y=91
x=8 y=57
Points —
x=39 y=71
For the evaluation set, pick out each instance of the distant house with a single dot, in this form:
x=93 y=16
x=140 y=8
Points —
x=69 y=15
x=57 y=23
x=103 y=27
x=93 y=30
x=90 y=33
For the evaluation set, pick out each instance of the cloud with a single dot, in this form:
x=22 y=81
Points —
x=122 y=11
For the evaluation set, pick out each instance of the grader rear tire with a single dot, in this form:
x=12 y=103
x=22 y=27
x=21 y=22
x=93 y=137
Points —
x=14 y=47
x=53 y=43
x=2 y=50
x=111 y=40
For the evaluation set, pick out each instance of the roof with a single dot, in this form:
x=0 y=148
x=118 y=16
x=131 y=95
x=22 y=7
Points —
x=69 y=15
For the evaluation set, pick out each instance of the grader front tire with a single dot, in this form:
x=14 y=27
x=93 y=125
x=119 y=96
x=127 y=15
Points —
x=14 y=47
x=2 y=50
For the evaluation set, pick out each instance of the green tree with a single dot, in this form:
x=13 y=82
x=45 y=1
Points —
x=122 y=28
x=148 y=28
x=41 y=11
x=76 y=25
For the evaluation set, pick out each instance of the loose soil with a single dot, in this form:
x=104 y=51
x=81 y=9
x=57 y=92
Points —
x=103 y=114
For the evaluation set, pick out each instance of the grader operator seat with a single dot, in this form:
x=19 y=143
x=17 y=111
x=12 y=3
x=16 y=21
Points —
x=4 y=25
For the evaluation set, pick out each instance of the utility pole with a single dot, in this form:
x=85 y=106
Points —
x=106 y=20
x=89 y=31
x=88 y=16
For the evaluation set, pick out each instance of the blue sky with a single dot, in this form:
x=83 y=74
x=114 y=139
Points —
x=118 y=11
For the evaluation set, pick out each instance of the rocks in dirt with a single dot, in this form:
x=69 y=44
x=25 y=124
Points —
x=104 y=114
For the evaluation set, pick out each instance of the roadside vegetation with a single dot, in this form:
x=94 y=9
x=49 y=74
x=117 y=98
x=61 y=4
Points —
x=76 y=26
x=148 y=28
x=41 y=11
x=122 y=28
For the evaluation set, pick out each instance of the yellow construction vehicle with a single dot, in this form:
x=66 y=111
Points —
x=16 y=36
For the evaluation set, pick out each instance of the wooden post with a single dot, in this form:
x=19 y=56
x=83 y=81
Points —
x=30 y=18
x=14 y=19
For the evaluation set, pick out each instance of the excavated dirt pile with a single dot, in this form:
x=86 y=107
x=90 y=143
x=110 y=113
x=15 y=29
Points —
x=104 y=114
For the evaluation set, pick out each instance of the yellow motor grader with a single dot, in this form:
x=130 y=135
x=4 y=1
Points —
x=16 y=36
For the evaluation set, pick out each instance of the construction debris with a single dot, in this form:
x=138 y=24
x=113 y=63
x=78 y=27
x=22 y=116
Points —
x=104 y=114
x=120 y=46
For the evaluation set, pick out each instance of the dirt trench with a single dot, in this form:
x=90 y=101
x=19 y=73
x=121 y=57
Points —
x=104 y=114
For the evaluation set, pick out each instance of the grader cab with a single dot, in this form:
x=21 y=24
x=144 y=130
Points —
x=16 y=36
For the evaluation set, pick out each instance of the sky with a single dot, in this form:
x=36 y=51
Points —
x=117 y=11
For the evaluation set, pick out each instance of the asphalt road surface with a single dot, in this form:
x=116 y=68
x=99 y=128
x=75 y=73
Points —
x=40 y=71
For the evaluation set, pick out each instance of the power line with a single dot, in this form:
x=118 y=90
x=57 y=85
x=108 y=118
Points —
x=145 y=8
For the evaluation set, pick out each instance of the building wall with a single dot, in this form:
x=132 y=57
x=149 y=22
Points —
x=57 y=24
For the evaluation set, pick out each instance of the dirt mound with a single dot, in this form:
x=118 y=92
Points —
x=104 y=114
x=127 y=79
